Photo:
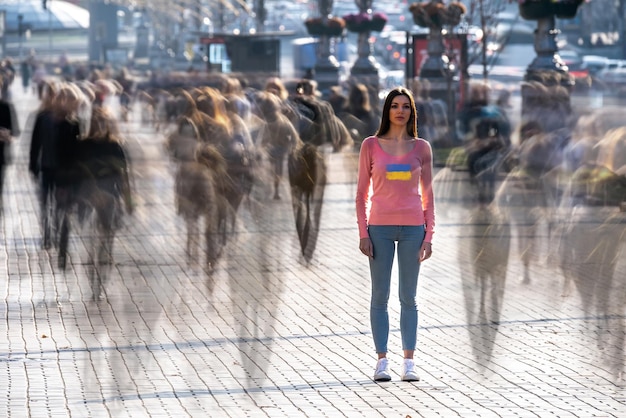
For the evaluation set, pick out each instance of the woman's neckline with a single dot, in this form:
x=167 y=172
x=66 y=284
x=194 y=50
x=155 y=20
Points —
x=414 y=140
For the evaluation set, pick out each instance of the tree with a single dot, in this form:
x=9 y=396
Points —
x=485 y=15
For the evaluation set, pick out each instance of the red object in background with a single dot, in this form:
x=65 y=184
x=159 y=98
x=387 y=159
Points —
x=579 y=73
x=210 y=40
x=456 y=48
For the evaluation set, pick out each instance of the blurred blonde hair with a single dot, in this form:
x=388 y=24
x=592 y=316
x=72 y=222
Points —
x=276 y=86
x=68 y=100
x=103 y=125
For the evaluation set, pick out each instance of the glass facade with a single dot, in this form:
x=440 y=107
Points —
x=59 y=15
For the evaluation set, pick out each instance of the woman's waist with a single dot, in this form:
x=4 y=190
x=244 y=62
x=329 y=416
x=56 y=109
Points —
x=396 y=217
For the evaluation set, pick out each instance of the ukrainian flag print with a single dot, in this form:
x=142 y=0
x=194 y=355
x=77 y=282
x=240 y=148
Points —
x=399 y=172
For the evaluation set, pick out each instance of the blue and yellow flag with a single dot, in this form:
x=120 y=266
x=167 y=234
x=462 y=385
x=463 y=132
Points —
x=399 y=172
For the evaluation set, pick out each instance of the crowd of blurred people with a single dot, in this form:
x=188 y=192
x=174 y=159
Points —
x=224 y=138
x=227 y=134
x=78 y=158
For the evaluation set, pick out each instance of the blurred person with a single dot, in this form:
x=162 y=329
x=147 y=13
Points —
x=307 y=180
x=526 y=131
x=103 y=89
x=81 y=72
x=299 y=115
x=426 y=119
x=278 y=137
x=39 y=77
x=212 y=177
x=476 y=107
x=434 y=111
x=306 y=164
x=276 y=86
x=471 y=109
x=86 y=107
x=503 y=105
x=326 y=128
x=592 y=226
x=504 y=99
x=66 y=67
x=547 y=102
x=198 y=196
x=66 y=106
x=233 y=91
x=126 y=86
x=395 y=182
x=240 y=153
x=147 y=100
x=9 y=128
x=530 y=193
x=358 y=115
x=486 y=133
x=337 y=99
x=211 y=117
x=206 y=120
x=26 y=71
x=192 y=127
x=193 y=186
x=486 y=151
x=7 y=73
x=43 y=158
x=103 y=188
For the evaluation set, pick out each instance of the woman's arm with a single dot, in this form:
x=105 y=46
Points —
x=426 y=186
x=363 y=186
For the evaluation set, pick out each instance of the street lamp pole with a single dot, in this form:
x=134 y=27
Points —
x=49 y=27
x=483 y=45
x=20 y=32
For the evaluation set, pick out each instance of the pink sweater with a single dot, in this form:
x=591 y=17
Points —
x=395 y=190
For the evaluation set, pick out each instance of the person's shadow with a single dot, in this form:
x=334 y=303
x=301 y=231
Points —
x=486 y=255
x=591 y=246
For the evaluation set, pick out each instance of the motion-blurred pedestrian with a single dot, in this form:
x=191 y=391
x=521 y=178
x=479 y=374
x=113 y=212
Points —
x=9 y=128
x=103 y=189
x=43 y=161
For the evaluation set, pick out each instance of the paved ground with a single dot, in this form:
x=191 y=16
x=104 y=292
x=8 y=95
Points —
x=268 y=335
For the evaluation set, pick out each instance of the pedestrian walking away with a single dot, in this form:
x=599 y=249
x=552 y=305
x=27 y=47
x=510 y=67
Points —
x=9 y=129
x=395 y=184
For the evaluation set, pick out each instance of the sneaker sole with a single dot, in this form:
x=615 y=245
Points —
x=382 y=379
x=408 y=379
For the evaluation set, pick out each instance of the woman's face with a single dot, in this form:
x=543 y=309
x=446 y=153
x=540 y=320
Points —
x=400 y=110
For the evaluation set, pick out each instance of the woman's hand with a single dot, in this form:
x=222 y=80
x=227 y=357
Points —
x=365 y=245
x=425 y=251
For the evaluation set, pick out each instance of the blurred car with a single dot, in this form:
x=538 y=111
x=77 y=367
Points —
x=615 y=64
x=569 y=56
x=614 y=80
x=609 y=76
x=595 y=63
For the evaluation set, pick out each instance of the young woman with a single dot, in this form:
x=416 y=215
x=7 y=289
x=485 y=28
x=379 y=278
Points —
x=395 y=184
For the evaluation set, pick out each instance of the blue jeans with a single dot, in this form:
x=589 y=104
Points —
x=384 y=238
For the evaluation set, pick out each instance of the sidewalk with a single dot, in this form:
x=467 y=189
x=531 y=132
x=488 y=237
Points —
x=268 y=336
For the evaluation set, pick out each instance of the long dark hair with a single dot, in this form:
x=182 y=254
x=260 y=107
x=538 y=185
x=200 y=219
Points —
x=385 y=123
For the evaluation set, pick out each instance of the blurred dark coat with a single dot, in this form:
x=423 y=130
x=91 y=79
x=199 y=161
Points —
x=8 y=120
x=43 y=147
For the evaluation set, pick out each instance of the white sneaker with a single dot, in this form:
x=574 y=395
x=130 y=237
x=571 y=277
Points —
x=382 y=371
x=408 y=373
